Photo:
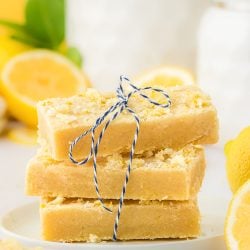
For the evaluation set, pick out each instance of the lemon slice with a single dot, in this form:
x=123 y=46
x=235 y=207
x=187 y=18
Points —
x=3 y=119
x=3 y=123
x=237 y=225
x=22 y=135
x=3 y=108
x=36 y=75
x=164 y=76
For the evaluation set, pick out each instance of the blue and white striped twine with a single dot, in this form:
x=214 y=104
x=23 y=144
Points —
x=116 y=109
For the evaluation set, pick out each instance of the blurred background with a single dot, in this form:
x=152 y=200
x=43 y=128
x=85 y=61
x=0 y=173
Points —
x=118 y=37
x=93 y=42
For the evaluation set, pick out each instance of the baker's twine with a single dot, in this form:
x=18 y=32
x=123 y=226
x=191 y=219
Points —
x=116 y=109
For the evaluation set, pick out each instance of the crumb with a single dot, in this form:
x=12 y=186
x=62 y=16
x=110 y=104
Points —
x=93 y=239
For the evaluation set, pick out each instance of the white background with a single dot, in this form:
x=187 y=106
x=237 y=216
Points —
x=126 y=37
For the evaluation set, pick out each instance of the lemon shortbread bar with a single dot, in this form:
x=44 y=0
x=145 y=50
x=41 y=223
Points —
x=70 y=220
x=190 y=119
x=164 y=175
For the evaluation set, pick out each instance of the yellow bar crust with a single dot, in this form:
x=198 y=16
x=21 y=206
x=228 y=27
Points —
x=165 y=175
x=191 y=119
x=71 y=220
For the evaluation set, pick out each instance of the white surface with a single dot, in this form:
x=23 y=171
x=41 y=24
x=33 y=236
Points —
x=15 y=157
x=13 y=161
x=23 y=224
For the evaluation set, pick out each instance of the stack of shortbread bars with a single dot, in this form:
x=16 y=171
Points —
x=167 y=169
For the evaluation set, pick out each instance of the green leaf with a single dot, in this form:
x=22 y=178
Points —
x=14 y=26
x=23 y=38
x=20 y=33
x=45 y=21
x=75 y=56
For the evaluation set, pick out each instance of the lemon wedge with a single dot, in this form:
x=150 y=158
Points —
x=36 y=75
x=237 y=226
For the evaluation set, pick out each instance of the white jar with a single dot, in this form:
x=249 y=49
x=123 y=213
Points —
x=127 y=37
x=223 y=65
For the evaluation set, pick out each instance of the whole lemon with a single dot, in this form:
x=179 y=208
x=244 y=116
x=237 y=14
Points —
x=12 y=10
x=237 y=153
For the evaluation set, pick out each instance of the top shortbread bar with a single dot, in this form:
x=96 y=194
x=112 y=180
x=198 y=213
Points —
x=191 y=119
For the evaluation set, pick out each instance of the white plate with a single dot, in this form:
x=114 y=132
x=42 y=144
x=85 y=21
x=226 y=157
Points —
x=23 y=224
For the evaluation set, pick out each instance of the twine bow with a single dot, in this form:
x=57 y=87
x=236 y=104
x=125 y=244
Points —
x=116 y=109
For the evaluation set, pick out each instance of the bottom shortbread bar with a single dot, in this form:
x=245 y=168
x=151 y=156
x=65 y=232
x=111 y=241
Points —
x=70 y=220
